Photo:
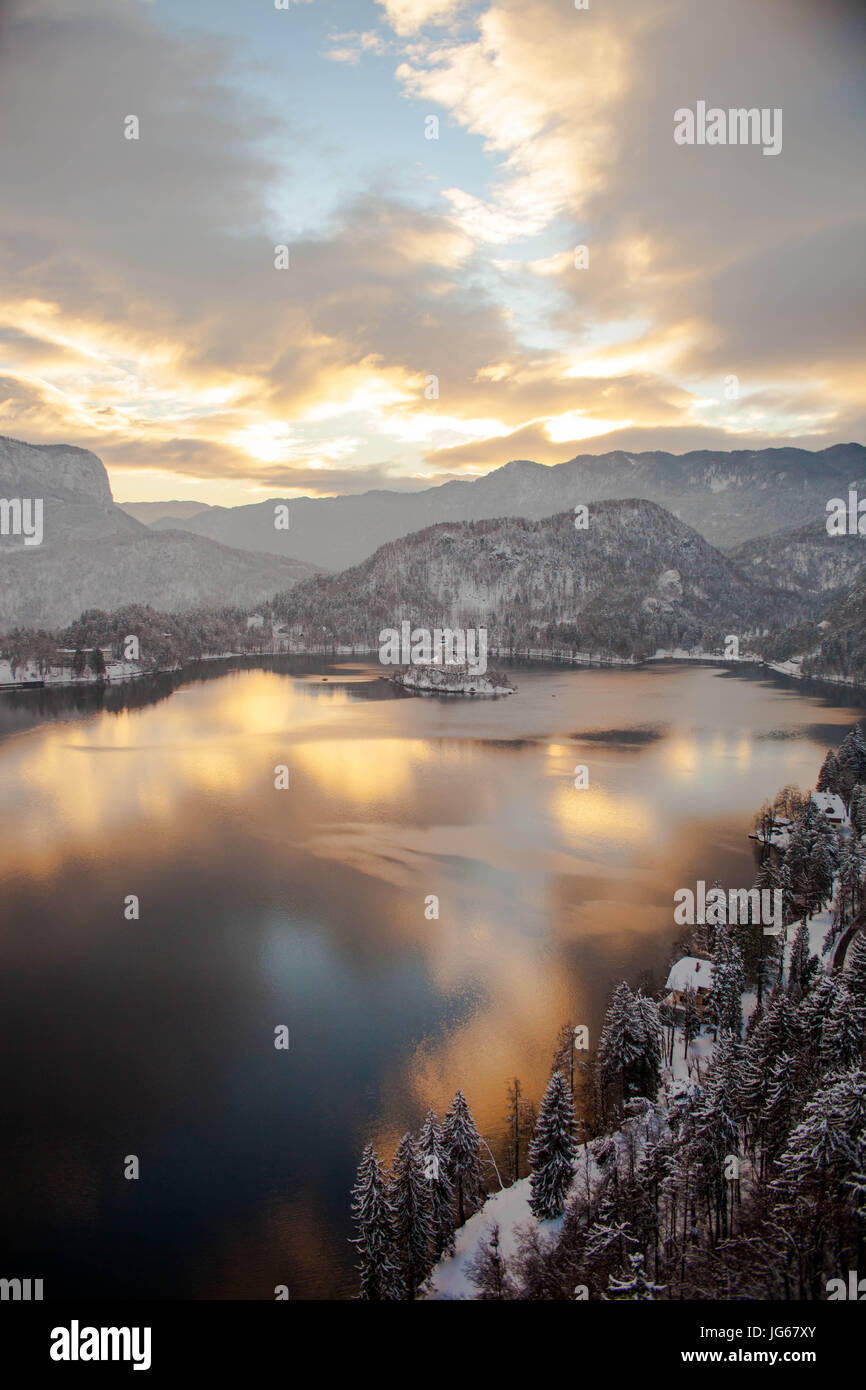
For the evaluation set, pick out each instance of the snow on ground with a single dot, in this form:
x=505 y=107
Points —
x=819 y=925
x=63 y=675
x=510 y=1209
x=693 y=1066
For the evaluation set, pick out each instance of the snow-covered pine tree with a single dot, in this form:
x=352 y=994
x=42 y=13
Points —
x=814 y=1012
x=488 y=1269
x=817 y=1176
x=851 y=761
x=822 y=865
x=855 y=966
x=715 y=1134
x=431 y=1149
x=779 y=1105
x=563 y=1053
x=462 y=1145
x=629 y=1049
x=381 y=1278
x=724 y=1003
x=828 y=777
x=789 y=889
x=691 y=1020
x=844 y=1031
x=797 y=966
x=852 y=872
x=552 y=1151
x=633 y=1284
x=413 y=1225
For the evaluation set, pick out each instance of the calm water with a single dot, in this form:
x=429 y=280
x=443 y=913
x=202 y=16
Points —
x=305 y=907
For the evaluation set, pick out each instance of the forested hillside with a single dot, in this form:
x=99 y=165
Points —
x=634 y=580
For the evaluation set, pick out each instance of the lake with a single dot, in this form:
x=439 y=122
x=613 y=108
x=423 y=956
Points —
x=305 y=907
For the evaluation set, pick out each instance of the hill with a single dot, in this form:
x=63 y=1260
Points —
x=637 y=579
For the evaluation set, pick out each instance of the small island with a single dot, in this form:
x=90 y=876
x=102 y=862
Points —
x=451 y=680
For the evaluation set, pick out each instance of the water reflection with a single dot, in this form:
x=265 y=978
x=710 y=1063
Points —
x=306 y=907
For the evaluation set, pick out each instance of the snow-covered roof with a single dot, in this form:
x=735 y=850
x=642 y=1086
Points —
x=830 y=803
x=690 y=973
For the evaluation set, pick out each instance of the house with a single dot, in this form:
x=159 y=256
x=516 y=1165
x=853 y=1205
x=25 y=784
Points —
x=255 y=620
x=832 y=806
x=690 y=973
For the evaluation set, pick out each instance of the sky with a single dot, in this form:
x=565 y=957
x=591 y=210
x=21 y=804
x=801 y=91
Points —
x=432 y=167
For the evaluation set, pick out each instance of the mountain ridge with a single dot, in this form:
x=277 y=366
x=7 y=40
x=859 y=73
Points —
x=94 y=555
x=728 y=496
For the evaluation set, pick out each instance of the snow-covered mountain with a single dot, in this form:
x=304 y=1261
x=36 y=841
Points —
x=805 y=559
x=636 y=579
x=93 y=555
x=842 y=648
x=727 y=497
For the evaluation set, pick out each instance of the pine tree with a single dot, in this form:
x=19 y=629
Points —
x=488 y=1269
x=629 y=1049
x=822 y=865
x=851 y=880
x=563 y=1054
x=373 y=1213
x=413 y=1226
x=851 y=761
x=789 y=890
x=96 y=662
x=797 y=966
x=552 y=1151
x=432 y=1154
x=691 y=1020
x=844 y=1031
x=817 y=1177
x=634 y=1284
x=462 y=1144
x=715 y=1134
x=725 y=999
x=814 y=1013
x=828 y=777
x=779 y=1104
x=855 y=967
x=79 y=662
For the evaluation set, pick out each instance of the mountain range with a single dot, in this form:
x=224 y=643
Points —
x=93 y=555
x=639 y=577
x=729 y=498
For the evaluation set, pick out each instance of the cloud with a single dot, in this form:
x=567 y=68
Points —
x=143 y=315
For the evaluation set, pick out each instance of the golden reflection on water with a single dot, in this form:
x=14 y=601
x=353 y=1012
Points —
x=547 y=893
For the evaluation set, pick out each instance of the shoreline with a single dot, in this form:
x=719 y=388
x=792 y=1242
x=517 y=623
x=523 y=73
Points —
x=122 y=673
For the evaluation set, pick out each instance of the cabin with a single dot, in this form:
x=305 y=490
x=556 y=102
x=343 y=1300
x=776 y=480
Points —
x=690 y=973
x=255 y=620
x=831 y=805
